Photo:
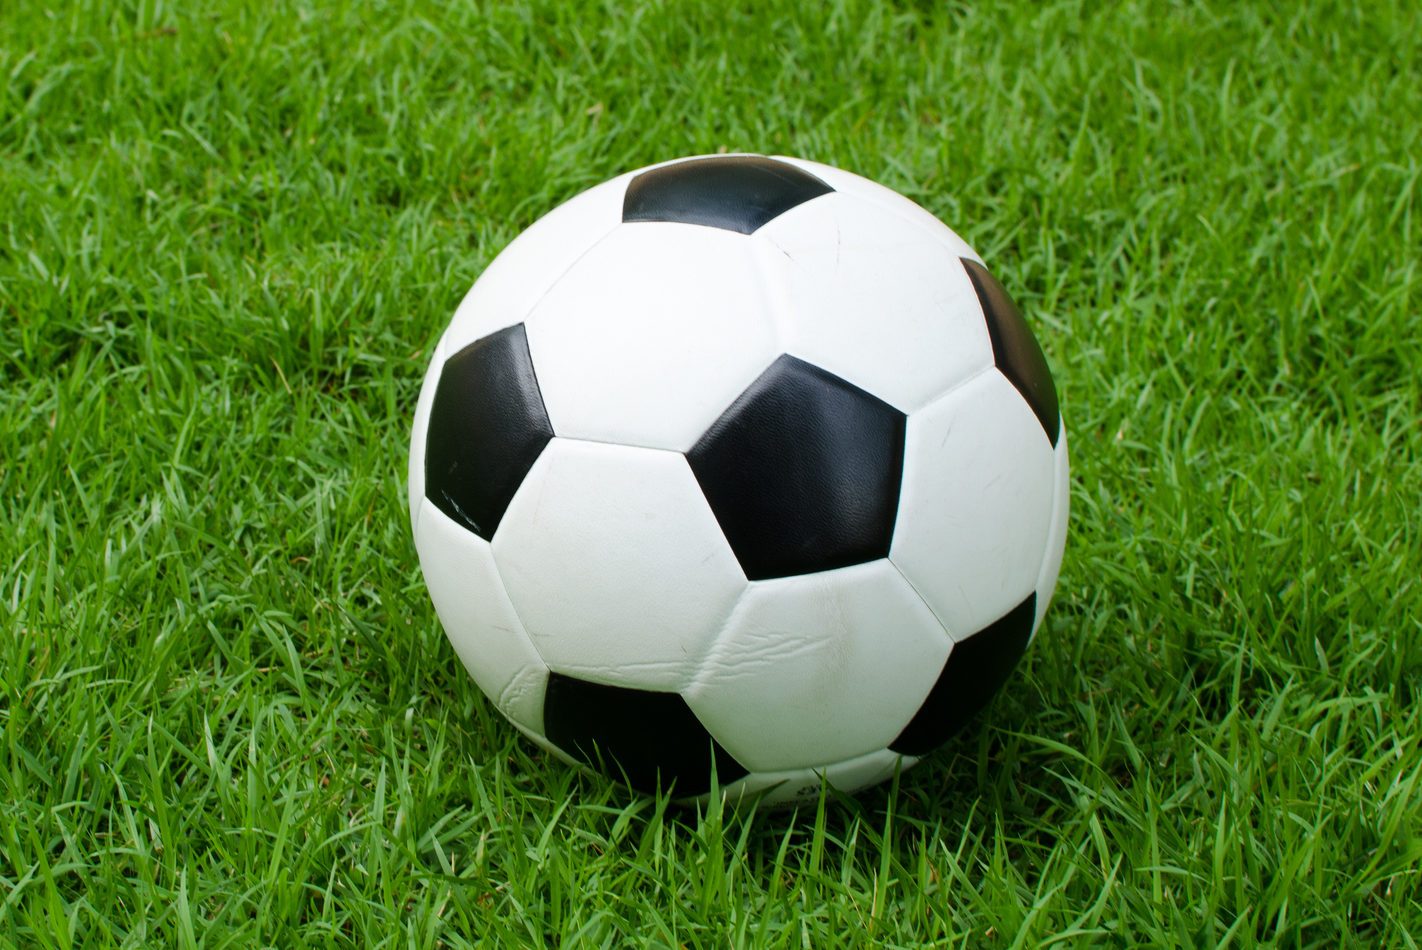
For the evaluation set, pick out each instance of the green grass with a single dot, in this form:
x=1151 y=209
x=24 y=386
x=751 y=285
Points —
x=230 y=234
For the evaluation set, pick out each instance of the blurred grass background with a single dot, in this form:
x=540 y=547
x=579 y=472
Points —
x=231 y=234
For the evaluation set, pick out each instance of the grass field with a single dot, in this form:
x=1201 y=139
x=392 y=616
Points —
x=230 y=234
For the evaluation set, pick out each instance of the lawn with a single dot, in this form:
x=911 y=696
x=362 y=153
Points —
x=230 y=234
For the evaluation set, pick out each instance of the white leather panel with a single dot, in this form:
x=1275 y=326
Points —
x=532 y=263
x=852 y=184
x=652 y=335
x=874 y=299
x=819 y=668
x=616 y=565
x=478 y=618
x=1056 y=538
x=976 y=504
x=415 y=483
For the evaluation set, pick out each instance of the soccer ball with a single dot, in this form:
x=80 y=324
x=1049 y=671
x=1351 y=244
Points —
x=741 y=465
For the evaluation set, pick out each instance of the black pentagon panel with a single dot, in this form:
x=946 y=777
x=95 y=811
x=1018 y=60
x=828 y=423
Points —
x=803 y=472
x=1015 y=349
x=651 y=738
x=975 y=670
x=487 y=427
x=732 y=192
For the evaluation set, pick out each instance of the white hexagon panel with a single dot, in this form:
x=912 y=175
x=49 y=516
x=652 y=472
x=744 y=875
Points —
x=651 y=335
x=419 y=434
x=848 y=183
x=1056 y=537
x=615 y=563
x=532 y=263
x=479 y=619
x=819 y=668
x=976 y=504
x=865 y=297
